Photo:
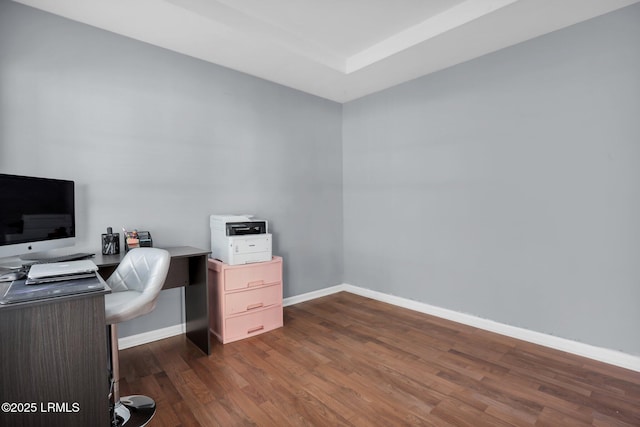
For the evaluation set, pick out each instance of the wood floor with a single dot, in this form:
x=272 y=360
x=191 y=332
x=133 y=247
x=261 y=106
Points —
x=348 y=360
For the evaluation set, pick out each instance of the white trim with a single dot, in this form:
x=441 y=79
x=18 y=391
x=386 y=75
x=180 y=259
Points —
x=314 y=294
x=436 y=25
x=605 y=355
x=150 y=336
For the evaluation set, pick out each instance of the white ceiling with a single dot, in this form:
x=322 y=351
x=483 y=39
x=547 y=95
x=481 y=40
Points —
x=336 y=49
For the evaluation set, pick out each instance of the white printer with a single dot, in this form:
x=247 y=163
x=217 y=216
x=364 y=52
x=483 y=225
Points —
x=239 y=239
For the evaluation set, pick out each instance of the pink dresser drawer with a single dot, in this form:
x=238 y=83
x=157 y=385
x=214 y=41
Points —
x=239 y=327
x=252 y=275
x=242 y=302
x=246 y=299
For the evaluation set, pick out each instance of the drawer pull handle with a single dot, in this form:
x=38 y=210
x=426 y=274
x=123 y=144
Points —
x=254 y=306
x=256 y=283
x=256 y=329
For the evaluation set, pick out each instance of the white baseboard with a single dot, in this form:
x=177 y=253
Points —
x=313 y=295
x=605 y=355
x=147 y=337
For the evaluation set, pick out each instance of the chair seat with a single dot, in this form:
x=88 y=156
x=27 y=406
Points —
x=118 y=306
x=136 y=284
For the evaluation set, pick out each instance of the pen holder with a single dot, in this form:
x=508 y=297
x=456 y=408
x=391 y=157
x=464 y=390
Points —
x=111 y=244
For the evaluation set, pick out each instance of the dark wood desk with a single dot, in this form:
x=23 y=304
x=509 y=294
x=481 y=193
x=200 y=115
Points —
x=188 y=269
x=53 y=358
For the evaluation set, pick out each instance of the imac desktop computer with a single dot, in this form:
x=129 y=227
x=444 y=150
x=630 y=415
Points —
x=36 y=215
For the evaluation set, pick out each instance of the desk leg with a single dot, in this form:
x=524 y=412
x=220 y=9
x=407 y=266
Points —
x=196 y=301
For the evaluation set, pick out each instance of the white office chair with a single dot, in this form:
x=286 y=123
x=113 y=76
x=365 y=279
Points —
x=135 y=287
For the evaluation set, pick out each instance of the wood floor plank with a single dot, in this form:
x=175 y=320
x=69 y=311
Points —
x=347 y=360
x=184 y=415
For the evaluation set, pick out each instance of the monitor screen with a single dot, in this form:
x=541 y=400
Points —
x=36 y=214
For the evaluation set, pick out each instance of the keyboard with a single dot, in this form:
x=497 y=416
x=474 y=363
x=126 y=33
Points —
x=63 y=258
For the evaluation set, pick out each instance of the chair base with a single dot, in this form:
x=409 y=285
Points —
x=134 y=411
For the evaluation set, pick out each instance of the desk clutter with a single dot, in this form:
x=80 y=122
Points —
x=132 y=239
x=245 y=279
x=137 y=239
x=110 y=242
x=60 y=271
x=56 y=279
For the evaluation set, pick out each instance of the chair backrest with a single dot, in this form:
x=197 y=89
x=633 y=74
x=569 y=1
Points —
x=142 y=272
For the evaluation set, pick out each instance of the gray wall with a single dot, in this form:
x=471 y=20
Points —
x=508 y=187
x=159 y=141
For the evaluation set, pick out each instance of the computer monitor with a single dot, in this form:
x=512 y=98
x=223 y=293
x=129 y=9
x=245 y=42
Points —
x=36 y=215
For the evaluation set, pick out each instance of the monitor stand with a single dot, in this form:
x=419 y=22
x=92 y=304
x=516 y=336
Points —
x=44 y=257
x=10 y=264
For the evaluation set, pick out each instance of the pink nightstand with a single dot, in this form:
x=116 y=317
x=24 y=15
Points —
x=246 y=300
